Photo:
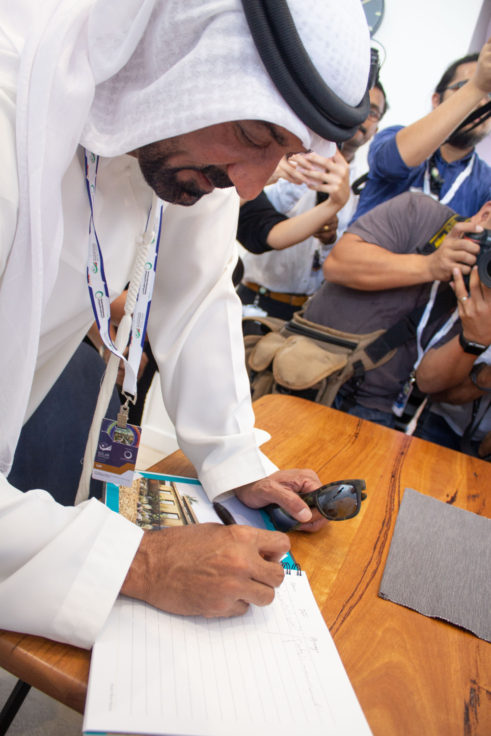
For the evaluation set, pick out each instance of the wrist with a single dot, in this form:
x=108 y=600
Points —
x=135 y=582
x=430 y=268
x=471 y=346
x=474 y=89
x=480 y=377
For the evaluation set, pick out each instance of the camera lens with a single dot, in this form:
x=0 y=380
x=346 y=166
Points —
x=484 y=267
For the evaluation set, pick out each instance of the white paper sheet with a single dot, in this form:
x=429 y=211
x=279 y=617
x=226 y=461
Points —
x=274 y=670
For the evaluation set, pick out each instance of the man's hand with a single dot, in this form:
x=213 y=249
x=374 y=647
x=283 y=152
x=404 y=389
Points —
x=286 y=170
x=455 y=251
x=208 y=569
x=283 y=488
x=474 y=307
x=329 y=175
x=444 y=370
x=482 y=75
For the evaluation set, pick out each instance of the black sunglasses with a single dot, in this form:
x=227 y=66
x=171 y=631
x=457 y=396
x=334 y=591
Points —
x=335 y=501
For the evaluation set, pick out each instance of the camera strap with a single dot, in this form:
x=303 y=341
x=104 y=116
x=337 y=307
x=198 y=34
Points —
x=437 y=239
x=476 y=117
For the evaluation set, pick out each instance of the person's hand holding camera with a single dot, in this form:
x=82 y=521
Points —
x=445 y=371
x=474 y=307
x=456 y=251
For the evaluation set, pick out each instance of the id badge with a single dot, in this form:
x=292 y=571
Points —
x=117 y=450
x=399 y=405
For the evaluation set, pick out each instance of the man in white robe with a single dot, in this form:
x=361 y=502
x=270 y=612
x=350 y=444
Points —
x=179 y=85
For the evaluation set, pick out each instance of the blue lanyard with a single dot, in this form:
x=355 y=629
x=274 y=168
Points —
x=146 y=264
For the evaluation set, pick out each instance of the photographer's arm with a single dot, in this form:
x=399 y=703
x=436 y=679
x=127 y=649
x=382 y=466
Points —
x=416 y=142
x=447 y=367
x=466 y=390
x=261 y=227
x=296 y=229
x=360 y=265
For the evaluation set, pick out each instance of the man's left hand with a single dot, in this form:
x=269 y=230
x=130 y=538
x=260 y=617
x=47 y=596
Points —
x=283 y=488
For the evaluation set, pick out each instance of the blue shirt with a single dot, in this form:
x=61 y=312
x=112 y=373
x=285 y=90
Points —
x=389 y=176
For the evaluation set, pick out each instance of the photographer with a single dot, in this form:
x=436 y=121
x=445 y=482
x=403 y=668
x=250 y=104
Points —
x=382 y=269
x=434 y=154
x=458 y=373
x=280 y=282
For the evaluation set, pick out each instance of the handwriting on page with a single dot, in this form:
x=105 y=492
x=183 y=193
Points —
x=273 y=668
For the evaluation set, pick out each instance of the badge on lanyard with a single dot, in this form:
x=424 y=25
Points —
x=117 y=450
x=399 y=405
x=118 y=442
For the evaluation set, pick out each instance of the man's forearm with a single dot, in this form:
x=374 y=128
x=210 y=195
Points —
x=418 y=141
x=365 y=266
x=461 y=394
x=444 y=367
x=296 y=229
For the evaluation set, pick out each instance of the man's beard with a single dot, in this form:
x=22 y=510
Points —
x=465 y=139
x=165 y=181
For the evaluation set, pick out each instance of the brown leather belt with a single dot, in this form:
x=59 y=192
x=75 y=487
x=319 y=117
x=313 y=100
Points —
x=295 y=300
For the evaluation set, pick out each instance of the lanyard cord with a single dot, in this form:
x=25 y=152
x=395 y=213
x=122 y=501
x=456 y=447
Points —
x=423 y=322
x=427 y=188
x=126 y=326
x=411 y=426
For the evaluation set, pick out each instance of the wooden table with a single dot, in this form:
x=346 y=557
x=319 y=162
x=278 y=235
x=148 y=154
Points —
x=412 y=674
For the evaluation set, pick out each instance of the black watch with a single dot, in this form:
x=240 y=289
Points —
x=475 y=348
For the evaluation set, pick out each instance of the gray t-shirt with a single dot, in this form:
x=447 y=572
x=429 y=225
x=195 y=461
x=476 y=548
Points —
x=403 y=225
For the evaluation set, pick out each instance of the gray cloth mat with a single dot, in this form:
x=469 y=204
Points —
x=439 y=563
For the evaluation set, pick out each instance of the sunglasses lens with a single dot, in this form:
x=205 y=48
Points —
x=338 y=502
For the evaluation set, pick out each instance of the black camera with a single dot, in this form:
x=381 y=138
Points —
x=483 y=262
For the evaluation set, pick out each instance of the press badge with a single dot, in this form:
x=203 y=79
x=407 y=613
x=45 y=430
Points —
x=399 y=405
x=117 y=450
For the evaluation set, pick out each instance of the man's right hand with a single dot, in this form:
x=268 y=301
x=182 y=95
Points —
x=208 y=569
x=482 y=75
x=456 y=251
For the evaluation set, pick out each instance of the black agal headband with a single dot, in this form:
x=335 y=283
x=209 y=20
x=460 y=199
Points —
x=296 y=78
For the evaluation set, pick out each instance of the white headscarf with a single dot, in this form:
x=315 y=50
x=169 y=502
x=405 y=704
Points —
x=115 y=75
x=196 y=66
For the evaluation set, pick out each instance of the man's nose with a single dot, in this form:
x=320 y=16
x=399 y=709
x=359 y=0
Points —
x=250 y=177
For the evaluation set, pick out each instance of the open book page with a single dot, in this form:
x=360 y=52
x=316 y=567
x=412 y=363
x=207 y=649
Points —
x=155 y=501
x=274 y=670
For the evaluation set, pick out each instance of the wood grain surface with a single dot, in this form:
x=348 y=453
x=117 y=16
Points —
x=413 y=675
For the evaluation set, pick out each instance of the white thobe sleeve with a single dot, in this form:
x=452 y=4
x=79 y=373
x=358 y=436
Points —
x=61 y=568
x=195 y=332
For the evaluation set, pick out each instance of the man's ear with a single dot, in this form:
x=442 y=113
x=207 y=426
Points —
x=436 y=98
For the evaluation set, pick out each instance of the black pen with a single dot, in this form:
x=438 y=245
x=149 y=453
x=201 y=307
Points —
x=223 y=514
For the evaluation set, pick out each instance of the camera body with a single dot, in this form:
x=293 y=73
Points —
x=483 y=262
